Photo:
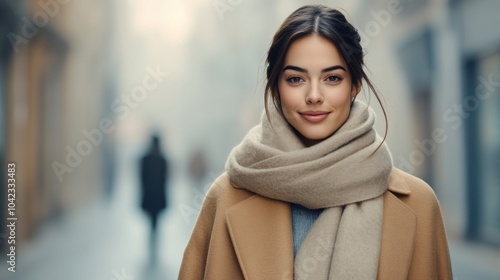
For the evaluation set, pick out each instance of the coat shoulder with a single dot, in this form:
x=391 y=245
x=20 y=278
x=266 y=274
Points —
x=430 y=256
x=412 y=190
x=224 y=192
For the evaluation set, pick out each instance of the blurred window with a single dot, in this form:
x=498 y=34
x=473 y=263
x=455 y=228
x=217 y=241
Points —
x=417 y=61
x=485 y=149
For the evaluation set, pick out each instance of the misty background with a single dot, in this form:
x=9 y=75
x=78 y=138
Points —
x=85 y=83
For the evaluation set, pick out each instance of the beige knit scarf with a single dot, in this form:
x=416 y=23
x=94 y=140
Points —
x=337 y=174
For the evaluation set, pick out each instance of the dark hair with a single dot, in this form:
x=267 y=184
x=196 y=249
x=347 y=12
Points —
x=328 y=23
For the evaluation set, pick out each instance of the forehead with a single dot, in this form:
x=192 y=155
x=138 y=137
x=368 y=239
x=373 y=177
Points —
x=313 y=51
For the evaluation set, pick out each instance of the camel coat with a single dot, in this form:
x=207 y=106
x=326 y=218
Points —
x=242 y=235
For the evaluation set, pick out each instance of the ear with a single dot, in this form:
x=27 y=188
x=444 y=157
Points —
x=355 y=89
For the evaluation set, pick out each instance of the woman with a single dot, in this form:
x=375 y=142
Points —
x=311 y=192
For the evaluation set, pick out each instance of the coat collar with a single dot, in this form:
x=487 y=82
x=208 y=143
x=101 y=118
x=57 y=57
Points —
x=261 y=232
x=397 y=183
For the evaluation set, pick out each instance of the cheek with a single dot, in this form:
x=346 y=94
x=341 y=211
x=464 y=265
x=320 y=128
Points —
x=289 y=99
x=340 y=100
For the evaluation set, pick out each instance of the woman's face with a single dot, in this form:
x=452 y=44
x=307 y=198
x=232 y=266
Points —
x=315 y=88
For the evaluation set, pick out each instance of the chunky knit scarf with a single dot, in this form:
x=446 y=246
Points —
x=343 y=174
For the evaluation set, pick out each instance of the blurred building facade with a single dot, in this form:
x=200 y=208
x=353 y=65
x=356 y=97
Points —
x=449 y=54
x=54 y=66
x=479 y=41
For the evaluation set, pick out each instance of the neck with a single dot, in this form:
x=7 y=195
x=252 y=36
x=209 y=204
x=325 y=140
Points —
x=308 y=142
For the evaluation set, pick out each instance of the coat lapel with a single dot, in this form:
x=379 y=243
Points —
x=261 y=233
x=398 y=232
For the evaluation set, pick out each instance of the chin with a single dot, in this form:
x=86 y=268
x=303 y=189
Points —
x=315 y=136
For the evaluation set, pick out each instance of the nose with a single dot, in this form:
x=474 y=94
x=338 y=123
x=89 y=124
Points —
x=314 y=96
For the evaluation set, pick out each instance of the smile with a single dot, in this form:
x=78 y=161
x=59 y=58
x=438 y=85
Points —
x=314 y=116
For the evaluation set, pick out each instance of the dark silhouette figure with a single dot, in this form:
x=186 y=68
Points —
x=154 y=174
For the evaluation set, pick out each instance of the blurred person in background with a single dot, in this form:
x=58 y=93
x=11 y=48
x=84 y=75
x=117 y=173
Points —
x=311 y=192
x=154 y=176
x=197 y=168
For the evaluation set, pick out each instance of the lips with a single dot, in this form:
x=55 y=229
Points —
x=314 y=116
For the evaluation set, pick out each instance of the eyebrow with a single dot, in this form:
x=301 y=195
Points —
x=296 y=68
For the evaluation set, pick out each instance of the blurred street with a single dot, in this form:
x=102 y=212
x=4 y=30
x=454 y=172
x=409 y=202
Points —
x=472 y=261
x=108 y=239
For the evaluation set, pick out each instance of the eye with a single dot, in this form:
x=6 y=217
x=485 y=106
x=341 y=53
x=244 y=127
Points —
x=333 y=79
x=294 y=80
